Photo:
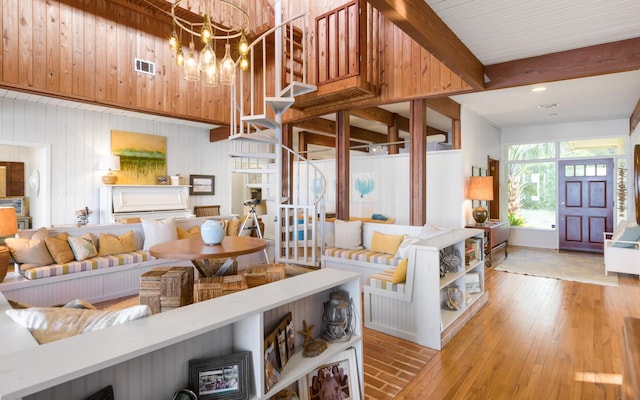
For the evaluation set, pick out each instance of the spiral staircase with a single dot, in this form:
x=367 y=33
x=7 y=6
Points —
x=297 y=204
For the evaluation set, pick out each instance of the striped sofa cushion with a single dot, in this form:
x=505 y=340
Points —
x=362 y=255
x=47 y=271
x=383 y=280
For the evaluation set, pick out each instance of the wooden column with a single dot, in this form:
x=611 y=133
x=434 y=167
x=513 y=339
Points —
x=287 y=162
x=394 y=135
x=456 y=133
x=418 y=162
x=343 y=135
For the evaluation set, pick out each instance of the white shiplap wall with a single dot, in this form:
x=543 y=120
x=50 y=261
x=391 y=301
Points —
x=64 y=145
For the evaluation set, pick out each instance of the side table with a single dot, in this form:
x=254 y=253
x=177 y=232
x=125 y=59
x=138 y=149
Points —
x=496 y=239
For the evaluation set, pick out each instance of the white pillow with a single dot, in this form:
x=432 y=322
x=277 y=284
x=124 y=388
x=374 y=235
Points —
x=158 y=231
x=82 y=246
x=429 y=231
x=47 y=324
x=404 y=246
x=348 y=234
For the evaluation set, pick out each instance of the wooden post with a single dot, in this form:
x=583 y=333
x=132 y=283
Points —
x=394 y=135
x=343 y=135
x=287 y=162
x=418 y=162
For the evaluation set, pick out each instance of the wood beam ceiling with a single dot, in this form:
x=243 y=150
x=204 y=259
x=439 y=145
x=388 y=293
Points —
x=329 y=127
x=327 y=141
x=420 y=22
x=601 y=59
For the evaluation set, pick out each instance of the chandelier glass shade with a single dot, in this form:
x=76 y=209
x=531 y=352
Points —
x=221 y=20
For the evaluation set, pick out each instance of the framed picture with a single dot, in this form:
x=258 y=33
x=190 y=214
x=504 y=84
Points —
x=162 y=180
x=271 y=368
x=336 y=379
x=202 y=184
x=282 y=347
x=472 y=282
x=16 y=202
x=225 y=377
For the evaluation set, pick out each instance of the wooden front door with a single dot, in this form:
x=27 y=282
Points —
x=586 y=203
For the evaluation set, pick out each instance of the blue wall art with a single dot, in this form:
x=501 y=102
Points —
x=364 y=188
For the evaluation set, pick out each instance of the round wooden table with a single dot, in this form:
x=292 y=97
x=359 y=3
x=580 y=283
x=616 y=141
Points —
x=196 y=250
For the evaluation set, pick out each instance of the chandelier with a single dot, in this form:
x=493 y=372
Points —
x=222 y=20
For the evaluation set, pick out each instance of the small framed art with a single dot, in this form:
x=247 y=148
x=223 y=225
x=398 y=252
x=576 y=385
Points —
x=202 y=184
x=221 y=378
x=336 y=379
x=472 y=282
x=162 y=180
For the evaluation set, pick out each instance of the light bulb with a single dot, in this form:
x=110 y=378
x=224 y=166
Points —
x=227 y=67
x=243 y=46
x=244 y=63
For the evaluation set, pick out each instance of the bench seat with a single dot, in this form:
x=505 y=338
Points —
x=362 y=255
x=384 y=280
x=46 y=271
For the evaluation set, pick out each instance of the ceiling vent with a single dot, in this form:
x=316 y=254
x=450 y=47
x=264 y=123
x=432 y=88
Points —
x=144 y=66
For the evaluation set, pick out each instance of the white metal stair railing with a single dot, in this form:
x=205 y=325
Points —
x=301 y=223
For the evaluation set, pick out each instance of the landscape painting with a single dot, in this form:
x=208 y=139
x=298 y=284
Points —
x=143 y=157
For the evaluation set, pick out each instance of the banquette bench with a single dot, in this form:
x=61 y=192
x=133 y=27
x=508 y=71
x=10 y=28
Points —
x=95 y=279
x=622 y=249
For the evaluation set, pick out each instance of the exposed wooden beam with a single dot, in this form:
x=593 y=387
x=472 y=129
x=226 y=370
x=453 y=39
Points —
x=329 y=127
x=601 y=59
x=635 y=118
x=377 y=114
x=323 y=140
x=422 y=24
x=219 y=133
x=445 y=106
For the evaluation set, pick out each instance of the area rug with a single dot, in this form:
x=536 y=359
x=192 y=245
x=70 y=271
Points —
x=568 y=266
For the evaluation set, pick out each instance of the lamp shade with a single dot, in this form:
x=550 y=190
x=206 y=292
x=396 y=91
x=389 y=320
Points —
x=481 y=188
x=8 y=221
x=109 y=163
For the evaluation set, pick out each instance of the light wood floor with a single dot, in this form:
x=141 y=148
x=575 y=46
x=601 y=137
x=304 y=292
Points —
x=537 y=338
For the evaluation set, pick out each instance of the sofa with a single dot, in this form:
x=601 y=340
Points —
x=622 y=249
x=98 y=277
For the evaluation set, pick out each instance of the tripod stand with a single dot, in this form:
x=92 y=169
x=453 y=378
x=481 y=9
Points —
x=256 y=226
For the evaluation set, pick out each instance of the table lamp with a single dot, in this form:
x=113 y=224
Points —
x=8 y=227
x=109 y=163
x=480 y=188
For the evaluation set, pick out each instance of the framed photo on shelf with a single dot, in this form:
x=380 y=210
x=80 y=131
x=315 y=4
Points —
x=336 y=379
x=221 y=378
x=17 y=202
x=472 y=282
x=271 y=368
x=202 y=185
x=162 y=180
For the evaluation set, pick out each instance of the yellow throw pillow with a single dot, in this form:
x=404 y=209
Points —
x=186 y=234
x=384 y=243
x=400 y=276
x=110 y=244
x=233 y=227
x=59 y=248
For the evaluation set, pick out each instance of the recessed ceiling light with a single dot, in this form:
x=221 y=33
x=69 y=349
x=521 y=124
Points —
x=550 y=105
x=539 y=89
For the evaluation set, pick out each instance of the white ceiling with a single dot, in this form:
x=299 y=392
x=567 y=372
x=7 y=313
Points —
x=498 y=31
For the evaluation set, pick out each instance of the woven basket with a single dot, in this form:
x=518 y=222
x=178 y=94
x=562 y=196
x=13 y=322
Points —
x=264 y=273
x=216 y=286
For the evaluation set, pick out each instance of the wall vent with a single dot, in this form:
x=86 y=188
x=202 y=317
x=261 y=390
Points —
x=144 y=66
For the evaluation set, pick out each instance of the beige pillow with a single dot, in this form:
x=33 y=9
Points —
x=348 y=234
x=233 y=227
x=385 y=243
x=25 y=251
x=186 y=234
x=59 y=248
x=111 y=244
x=158 y=231
x=83 y=247
x=39 y=234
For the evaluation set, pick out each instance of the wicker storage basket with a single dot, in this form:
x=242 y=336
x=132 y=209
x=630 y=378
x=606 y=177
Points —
x=264 y=273
x=216 y=286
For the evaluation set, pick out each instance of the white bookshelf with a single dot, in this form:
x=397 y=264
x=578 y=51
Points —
x=148 y=358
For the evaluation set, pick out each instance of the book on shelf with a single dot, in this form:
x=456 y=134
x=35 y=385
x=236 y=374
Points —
x=472 y=250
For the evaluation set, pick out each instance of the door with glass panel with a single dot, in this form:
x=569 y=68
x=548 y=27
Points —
x=585 y=191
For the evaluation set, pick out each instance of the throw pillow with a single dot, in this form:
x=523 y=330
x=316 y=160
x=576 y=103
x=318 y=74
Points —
x=158 y=231
x=404 y=246
x=233 y=227
x=39 y=234
x=83 y=247
x=186 y=234
x=26 y=251
x=385 y=243
x=400 y=275
x=348 y=234
x=630 y=234
x=47 y=324
x=111 y=244
x=59 y=248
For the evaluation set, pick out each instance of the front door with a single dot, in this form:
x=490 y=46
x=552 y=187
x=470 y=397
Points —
x=586 y=203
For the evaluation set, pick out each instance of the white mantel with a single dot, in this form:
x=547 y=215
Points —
x=143 y=201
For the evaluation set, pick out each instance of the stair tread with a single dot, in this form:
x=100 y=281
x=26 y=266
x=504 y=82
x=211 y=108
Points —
x=262 y=120
x=253 y=137
x=266 y=156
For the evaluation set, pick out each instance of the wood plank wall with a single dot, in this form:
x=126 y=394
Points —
x=85 y=50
